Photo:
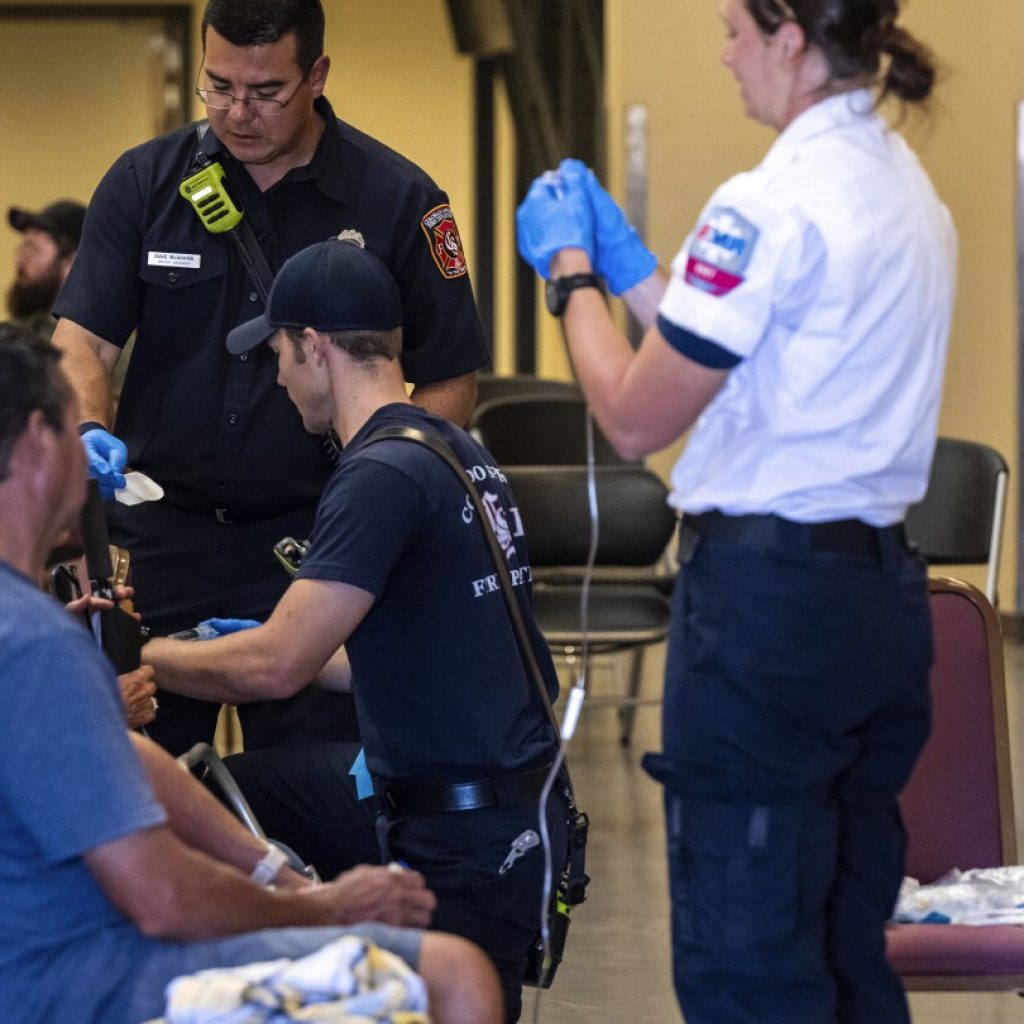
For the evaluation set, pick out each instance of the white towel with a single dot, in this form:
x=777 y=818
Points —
x=348 y=981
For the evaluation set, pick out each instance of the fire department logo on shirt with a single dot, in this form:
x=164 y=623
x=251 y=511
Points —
x=499 y=523
x=720 y=251
x=445 y=244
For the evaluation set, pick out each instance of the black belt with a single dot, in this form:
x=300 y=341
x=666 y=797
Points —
x=400 y=799
x=840 y=536
x=237 y=515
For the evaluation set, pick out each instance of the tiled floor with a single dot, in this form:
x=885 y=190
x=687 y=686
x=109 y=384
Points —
x=617 y=959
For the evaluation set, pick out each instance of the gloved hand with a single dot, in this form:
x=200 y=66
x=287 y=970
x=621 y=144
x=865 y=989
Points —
x=620 y=256
x=554 y=215
x=210 y=628
x=107 y=457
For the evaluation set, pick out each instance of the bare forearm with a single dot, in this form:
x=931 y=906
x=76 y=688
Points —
x=234 y=669
x=172 y=891
x=217 y=899
x=643 y=299
x=643 y=399
x=453 y=399
x=87 y=362
x=311 y=622
x=601 y=354
x=198 y=819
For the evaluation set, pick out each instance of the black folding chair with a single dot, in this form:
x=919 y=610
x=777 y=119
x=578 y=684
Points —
x=539 y=430
x=491 y=385
x=627 y=609
x=960 y=519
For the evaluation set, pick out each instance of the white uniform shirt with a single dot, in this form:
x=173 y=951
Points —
x=827 y=277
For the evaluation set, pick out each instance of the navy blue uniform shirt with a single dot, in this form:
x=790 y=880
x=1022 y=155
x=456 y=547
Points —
x=440 y=685
x=214 y=428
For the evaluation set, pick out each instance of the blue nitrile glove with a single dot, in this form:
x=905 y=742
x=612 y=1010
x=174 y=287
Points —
x=553 y=216
x=107 y=457
x=210 y=628
x=620 y=256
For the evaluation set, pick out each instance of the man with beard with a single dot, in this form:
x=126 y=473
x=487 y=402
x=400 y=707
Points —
x=44 y=257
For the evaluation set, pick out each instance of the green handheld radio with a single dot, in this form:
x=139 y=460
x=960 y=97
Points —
x=207 y=193
x=209 y=196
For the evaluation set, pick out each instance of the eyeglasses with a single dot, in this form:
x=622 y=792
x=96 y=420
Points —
x=265 y=106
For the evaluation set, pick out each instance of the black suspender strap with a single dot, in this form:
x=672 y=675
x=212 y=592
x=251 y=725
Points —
x=252 y=258
x=545 y=955
x=444 y=452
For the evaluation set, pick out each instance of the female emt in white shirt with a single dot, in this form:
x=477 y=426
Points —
x=802 y=333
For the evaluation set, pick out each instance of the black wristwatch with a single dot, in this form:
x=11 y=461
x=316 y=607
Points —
x=558 y=289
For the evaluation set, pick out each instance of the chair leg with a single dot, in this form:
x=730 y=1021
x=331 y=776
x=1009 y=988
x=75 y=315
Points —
x=627 y=712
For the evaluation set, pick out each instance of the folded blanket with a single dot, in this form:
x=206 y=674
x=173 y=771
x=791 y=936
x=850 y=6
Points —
x=348 y=981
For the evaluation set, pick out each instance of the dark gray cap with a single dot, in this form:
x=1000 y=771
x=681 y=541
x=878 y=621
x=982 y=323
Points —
x=61 y=220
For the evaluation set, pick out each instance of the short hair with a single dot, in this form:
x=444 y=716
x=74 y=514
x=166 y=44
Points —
x=258 y=22
x=860 y=41
x=30 y=379
x=361 y=346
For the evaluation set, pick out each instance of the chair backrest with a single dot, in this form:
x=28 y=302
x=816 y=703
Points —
x=635 y=522
x=960 y=519
x=490 y=385
x=539 y=430
x=958 y=805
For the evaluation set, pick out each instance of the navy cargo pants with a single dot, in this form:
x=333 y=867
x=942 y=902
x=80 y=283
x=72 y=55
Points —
x=796 y=702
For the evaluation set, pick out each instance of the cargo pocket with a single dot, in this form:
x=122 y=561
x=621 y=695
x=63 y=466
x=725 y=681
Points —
x=733 y=850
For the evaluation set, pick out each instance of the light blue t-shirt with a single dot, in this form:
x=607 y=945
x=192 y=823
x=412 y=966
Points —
x=69 y=781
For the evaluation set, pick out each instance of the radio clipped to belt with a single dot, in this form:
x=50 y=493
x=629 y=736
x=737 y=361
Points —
x=570 y=890
x=541 y=965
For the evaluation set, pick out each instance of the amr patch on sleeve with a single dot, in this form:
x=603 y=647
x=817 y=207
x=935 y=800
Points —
x=445 y=244
x=720 y=251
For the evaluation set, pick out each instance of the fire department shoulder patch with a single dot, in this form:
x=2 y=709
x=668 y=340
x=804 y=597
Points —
x=445 y=244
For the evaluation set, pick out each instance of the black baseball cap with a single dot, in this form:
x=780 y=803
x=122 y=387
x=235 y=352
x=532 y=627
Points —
x=61 y=220
x=330 y=286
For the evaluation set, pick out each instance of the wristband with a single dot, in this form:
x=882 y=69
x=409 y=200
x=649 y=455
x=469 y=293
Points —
x=84 y=428
x=268 y=866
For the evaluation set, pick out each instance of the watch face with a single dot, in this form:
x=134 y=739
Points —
x=554 y=297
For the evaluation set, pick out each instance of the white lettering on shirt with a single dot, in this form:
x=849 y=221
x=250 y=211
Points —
x=490 y=584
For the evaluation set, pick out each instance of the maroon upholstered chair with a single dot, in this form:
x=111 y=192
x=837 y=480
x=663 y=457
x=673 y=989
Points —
x=958 y=805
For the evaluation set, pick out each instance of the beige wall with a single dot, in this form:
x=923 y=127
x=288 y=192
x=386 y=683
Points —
x=664 y=53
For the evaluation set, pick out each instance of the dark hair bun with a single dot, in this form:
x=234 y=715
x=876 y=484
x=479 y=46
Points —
x=911 y=73
x=860 y=41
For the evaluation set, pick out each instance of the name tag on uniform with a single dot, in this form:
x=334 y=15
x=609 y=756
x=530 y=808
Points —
x=189 y=260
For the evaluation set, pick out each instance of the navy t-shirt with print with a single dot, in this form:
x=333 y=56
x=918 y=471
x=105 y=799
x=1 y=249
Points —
x=440 y=687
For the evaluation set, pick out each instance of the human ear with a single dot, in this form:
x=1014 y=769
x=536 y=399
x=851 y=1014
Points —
x=317 y=344
x=790 y=39
x=318 y=74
